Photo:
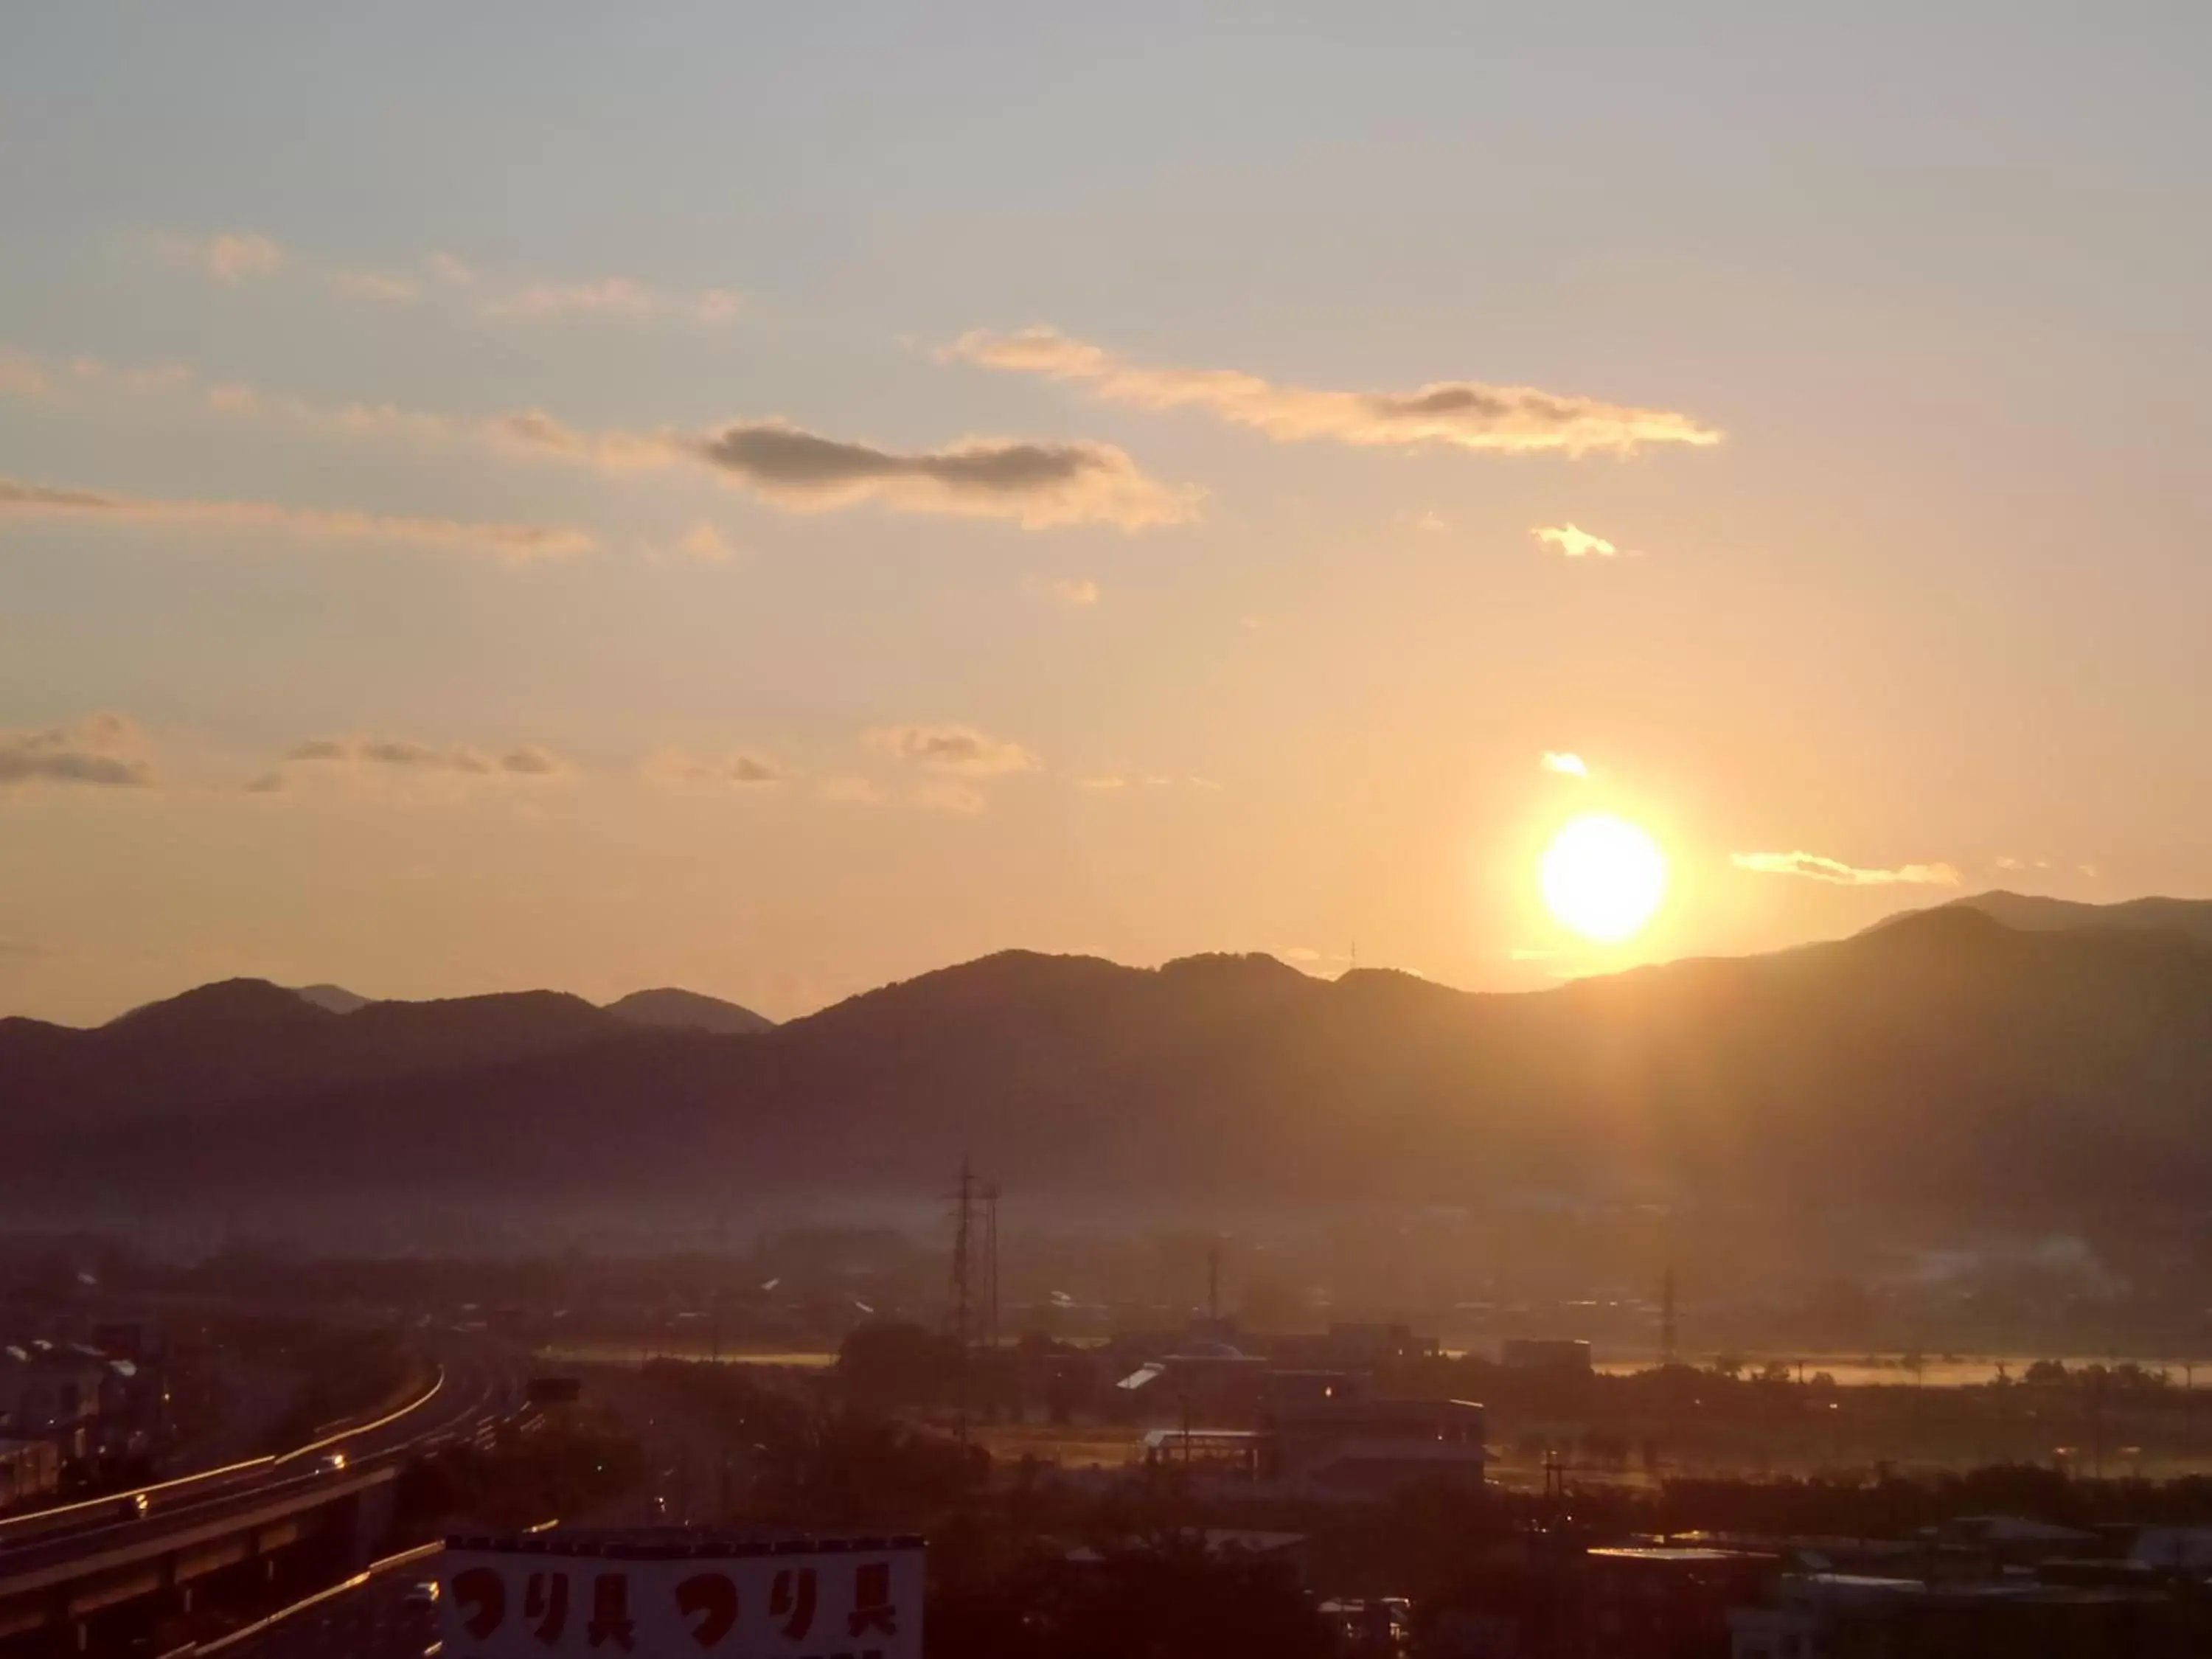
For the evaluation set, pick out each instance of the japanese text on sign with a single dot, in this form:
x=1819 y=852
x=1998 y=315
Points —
x=843 y=1604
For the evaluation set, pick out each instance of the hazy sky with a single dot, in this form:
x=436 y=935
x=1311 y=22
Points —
x=777 y=499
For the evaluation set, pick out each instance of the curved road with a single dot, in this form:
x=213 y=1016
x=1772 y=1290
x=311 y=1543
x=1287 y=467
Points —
x=477 y=1383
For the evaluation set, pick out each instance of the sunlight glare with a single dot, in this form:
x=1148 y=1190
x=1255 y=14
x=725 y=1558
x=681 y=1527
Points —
x=1602 y=876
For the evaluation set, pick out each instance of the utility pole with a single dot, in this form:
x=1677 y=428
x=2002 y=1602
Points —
x=964 y=1224
x=1666 y=1333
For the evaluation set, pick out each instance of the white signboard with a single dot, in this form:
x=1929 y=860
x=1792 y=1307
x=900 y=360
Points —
x=827 y=1601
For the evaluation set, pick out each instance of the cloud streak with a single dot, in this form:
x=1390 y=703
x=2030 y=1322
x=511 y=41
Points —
x=612 y=296
x=529 y=761
x=961 y=751
x=616 y=297
x=511 y=543
x=236 y=256
x=101 y=750
x=1038 y=485
x=1813 y=867
x=747 y=770
x=1461 y=414
x=1568 y=765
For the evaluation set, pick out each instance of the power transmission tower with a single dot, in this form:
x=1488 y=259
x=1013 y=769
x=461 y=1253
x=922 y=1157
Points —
x=964 y=1227
x=990 y=1266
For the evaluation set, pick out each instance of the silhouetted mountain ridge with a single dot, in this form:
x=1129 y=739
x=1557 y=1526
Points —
x=1946 y=1063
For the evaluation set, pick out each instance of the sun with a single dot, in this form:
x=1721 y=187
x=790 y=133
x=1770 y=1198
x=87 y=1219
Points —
x=1602 y=876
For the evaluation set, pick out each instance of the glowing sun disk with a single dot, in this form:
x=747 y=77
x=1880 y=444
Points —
x=1602 y=876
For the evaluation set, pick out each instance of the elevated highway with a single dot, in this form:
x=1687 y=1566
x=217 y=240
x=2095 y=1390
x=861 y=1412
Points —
x=329 y=1500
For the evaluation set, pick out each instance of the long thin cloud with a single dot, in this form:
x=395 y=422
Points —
x=1813 y=867
x=235 y=257
x=1039 y=485
x=1465 y=414
x=529 y=761
x=511 y=542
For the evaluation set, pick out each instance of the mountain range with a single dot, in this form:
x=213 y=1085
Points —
x=2000 y=1059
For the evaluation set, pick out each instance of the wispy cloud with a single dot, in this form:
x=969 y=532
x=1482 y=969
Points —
x=1039 y=485
x=106 y=751
x=1070 y=593
x=514 y=543
x=529 y=761
x=943 y=795
x=849 y=789
x=378 y=285
x=745 y=769
x=716 y=305
x=1575 y=542
x=1464 y=413
x=612 y=296
x=1816 y=868
x=1570 y=765
x=703 y=544
x=22 y=377
x=238 y=256
x=227 y=258
x=960 y=750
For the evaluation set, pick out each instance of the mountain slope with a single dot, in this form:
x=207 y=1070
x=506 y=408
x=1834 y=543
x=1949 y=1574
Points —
x=336 y=998
x=2034 y=914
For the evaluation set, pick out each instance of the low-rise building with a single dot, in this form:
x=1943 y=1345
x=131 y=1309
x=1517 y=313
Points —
x=1544 y=1353
x=1666 y=1601
x=1835 y=1616
x=1375 y=1447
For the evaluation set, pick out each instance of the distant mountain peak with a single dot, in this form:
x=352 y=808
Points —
x=669 y=1007
x=2037 y=912
x=1253 y=966
x=227 y=1002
